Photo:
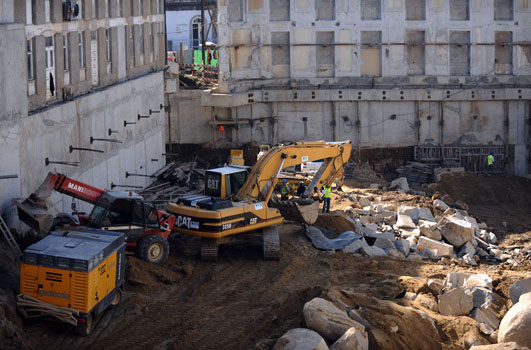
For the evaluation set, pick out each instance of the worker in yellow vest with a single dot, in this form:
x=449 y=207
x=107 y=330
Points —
x=327 y=197
x=284 y=190
x=490 y=163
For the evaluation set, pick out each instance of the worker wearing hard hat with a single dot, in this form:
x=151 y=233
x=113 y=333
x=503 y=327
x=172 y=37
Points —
x=301 y=189
x=284 y=190
x=326 y=193
x=490 y=163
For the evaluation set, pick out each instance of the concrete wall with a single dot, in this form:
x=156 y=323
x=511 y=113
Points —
x=50 y=133
x=179 y=28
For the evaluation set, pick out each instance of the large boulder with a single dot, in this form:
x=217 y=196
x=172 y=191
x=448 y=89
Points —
x=402 y=245
x=425 y=214
x=456 y=231
x=353 y=339
x=372 y=251
x=516 y=324
x=327 y=319
x=300 y=339
x=455 y=302
x=442 y=249
x=519 y=288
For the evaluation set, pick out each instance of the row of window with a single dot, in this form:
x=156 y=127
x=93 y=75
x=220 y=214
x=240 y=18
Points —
x=155 y=7
x=370 y=55
x=459 y=10
x=82 y=46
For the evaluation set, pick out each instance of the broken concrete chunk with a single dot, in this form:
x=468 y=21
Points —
x=455 y=279
x=372 y=251
x=410 y=211
x=491 y=238
x=478 y=280
x=327 y=319
x=353 y=339
x=355 y=246
x=394 y=253
x=486 y=316
x=429 y=229
x=387 y=235
x=364 y=201
x=402 y=245
x=415 y=257
x=435 y=287
x=481 y=297
x=300 y=339
x=440 y=205
x=364 y=220
x=399 y=184
x=457 y=232
x=470 y=260
x=407 y=232
x=362 y=211
x=384 y=243
x=441 y=248
x=425 y=214
x=380 y=208
x=519 y=288
x=412 y=243
x=472 y=221
x=404 y=221
x=427 y=302
x=455 y=302
x=468 y=248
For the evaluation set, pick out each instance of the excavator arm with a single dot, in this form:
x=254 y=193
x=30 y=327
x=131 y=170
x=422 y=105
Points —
x=263 y=176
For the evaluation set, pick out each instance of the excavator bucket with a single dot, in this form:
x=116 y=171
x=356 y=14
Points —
x=33 y=210
x=297 y=209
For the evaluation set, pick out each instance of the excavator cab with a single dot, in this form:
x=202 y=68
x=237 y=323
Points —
x=224 y=182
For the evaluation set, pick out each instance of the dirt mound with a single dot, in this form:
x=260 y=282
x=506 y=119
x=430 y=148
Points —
x=480 y=189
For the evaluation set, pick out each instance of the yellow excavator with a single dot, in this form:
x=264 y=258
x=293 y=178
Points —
x=236 y=202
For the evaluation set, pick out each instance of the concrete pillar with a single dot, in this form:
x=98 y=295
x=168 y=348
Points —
x=59 y=66
x=73 y=38
x=20 y=11
x=114 y=54
x=40 y=70
x=146 y=43
x=7 y=11
x=102 y=57
x=38 y=12
x=56 y=11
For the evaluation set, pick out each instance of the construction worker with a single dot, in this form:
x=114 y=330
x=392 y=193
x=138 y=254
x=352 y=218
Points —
x=327 y=197
x=301 y=189
x=490 y=163
x=284 y=190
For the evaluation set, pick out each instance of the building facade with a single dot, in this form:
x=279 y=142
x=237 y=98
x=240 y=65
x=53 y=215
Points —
x=445 y=75
x=82 y=92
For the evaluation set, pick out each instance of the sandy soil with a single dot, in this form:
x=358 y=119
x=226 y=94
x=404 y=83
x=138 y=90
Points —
x=244 y=302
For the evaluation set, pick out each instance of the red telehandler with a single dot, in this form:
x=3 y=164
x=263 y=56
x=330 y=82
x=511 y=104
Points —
x=146 y=228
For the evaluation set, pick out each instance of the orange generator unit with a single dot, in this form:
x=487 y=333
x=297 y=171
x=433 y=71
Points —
x=72 y=276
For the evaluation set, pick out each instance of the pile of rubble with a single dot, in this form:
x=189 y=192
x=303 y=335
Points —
x=342 y=318
x=174 y=180
x=421 y=233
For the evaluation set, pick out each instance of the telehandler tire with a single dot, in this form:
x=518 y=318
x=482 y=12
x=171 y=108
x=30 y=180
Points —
x=153 y=249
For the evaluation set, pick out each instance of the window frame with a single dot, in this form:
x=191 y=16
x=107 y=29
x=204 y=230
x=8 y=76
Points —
x=81 y=50
x=30 y=56
x=66 y=53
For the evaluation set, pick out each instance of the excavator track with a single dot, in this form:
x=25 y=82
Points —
x=209 y=249
x=271 y=243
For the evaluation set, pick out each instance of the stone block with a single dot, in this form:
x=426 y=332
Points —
x=425 y=214
x=399 y=184
x=487 y=316
x=481 y=297
x=355 y=246
x=435 y=287
x=478 y=280
x=440 y=205
x=328 y=320
x=384 y=243
x=415 y=257
x=429 y=229
x=469 y=259
x=455 y=302
x=402 y=245
x=407 y=232
x=457 y=232
x=468 y=248
x=404 y=221
x=394 y=253
x=372 y=251
x=412 y=212
x=364 y=220
x=455 y=279
x=517 y=289
x=364 y=201
x=441 y=248
x=300 y=339
x=353 y=339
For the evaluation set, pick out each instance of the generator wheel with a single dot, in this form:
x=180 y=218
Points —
x=117 y=297
x=154 y=249
x=84 y=329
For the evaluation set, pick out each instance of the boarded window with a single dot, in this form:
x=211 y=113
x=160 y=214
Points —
x=280 y=53
x=415 y=9
x=460 y=53
x=503 y=61
x=459 y=10
x=503 y=10
x=279 y=10
x=415 y=52
x=371 y=57
x=325 y=10
x=371 y=9
x=325 y=54
x=235 y=10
